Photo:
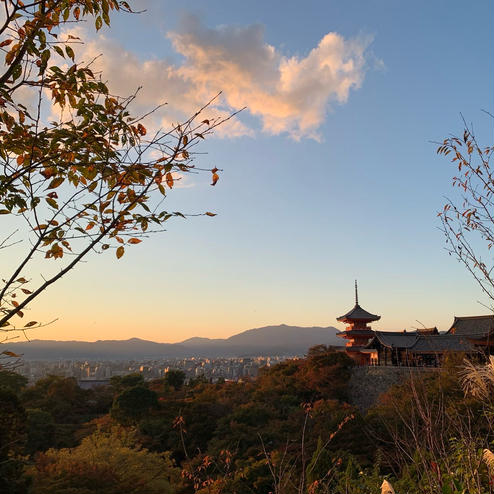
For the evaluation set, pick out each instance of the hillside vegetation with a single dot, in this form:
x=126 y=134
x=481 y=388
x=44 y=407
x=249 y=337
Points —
x=289 y=431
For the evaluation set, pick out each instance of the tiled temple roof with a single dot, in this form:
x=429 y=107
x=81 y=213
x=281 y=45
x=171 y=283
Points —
x=358 y=314
x=416 y=342
x=472 y=326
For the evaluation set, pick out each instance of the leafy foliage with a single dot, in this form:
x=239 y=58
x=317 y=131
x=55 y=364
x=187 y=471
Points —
x=79 y=173
x=468 y=222
x=107 y=463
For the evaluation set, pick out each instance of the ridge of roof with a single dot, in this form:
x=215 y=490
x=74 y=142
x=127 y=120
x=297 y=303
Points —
x=359 y=314
x=485 y=316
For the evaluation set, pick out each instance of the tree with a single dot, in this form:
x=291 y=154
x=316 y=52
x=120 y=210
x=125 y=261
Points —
x=468 y=222
x=105 y=463
x=12 y=439
x=13 y=381
x=133 y=404
x=175 y=378
x=89 y=179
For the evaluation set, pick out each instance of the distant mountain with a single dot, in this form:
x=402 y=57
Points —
x=269 y=340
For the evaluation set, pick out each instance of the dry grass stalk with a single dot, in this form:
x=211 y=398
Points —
x=478 y=380
x=488 y=457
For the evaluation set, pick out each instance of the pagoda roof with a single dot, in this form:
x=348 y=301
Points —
x=472 y=326
x=358 y=314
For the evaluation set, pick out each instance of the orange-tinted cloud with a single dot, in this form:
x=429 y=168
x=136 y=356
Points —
x=288 y=94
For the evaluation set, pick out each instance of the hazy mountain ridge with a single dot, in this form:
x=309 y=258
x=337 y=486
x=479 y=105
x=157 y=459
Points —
x=268 y=340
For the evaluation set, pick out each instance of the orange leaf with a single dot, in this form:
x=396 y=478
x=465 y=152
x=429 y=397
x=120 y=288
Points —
x=210 y=214
x=134 y=241
x=120 y=252
x=169 y=180
x=215 y=178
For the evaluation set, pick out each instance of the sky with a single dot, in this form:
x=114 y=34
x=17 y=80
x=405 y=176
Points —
x=329 y=175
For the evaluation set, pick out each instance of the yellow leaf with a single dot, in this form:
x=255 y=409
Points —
x=120 y=252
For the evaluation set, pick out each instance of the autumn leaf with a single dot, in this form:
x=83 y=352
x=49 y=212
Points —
x=210 y=214
x=10 y=354
x=51 y=202
x=56 y=182
x=134 y=241
x=120 y=252
x=169 y=180
x=47 y=172
x=215 y=178
x=31 y=323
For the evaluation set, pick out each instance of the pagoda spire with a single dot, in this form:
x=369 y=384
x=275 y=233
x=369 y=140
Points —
x=356 y=293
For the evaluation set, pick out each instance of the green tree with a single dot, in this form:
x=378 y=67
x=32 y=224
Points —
x=105 y=463
x=12 y=440
x=119 y=383
x=12 y=380
x=175 y=378
x=90 y=179
x=133 y=403
x=40 y=430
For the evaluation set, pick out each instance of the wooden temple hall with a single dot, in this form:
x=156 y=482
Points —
x=472 y=336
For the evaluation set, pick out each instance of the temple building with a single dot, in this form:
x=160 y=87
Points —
x=471 y=336
x=479 y=330
x=358 y=332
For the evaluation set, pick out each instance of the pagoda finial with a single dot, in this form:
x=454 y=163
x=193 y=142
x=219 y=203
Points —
x=356 y=293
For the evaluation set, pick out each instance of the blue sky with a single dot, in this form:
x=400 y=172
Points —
x=299 y=218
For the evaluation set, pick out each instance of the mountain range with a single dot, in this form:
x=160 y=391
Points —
x=268 y=340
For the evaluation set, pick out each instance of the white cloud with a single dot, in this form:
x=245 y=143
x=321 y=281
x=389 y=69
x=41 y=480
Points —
x=288 y=94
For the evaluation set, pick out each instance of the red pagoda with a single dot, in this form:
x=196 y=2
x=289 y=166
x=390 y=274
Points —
x=358 y=333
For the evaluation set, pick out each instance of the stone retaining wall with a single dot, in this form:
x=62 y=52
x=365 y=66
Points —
x=367 y=383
